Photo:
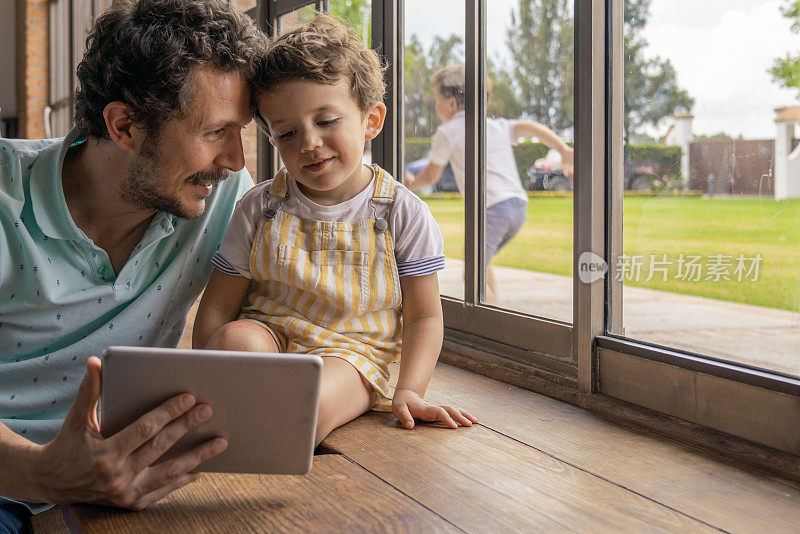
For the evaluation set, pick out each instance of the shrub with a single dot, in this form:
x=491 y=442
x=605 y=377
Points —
x=668 y=158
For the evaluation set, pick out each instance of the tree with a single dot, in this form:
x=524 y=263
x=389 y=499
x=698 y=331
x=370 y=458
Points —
x=357 y=13
x=651 y=89
x=540 y=44
x=420 y=64
x=786 y=70
x=503 y=100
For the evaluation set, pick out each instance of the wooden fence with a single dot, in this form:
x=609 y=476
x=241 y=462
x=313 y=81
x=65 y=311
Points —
x=732 y=167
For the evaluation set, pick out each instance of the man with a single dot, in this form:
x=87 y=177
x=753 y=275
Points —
x=107 y=237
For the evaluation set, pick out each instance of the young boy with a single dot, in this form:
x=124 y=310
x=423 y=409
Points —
x=319 y=259
x=506 y=200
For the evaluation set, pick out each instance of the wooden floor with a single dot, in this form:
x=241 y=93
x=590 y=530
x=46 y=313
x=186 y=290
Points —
x=532 y=464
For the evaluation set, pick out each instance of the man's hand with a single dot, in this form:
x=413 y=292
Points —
x=406 y=405
x=79 y=465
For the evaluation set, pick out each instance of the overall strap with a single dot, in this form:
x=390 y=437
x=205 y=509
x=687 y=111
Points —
x=384 y=186
x=278 y=187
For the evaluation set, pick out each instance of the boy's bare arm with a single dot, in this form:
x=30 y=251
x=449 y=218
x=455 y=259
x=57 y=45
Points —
x=221 y=302
x=422 y=341
x=427 y=176
x=548 y=138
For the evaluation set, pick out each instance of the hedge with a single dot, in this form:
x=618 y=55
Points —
x=692 y=193
x=668 y=158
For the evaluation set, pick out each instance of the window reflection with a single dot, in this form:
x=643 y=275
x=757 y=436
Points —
x=527 y=239
x=710 y=261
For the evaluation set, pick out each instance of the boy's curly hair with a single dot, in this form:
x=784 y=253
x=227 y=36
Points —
x=142 y=53
x=324 y=50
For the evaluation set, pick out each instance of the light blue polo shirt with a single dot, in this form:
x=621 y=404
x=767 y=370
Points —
x=60 y=301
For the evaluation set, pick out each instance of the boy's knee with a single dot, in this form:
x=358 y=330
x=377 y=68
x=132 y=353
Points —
x=243 y=336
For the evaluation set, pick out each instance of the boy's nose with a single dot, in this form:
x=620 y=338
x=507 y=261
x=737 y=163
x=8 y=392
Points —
x=311 y=140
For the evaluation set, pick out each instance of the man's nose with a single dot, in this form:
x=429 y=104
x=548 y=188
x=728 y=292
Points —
x=232 y=155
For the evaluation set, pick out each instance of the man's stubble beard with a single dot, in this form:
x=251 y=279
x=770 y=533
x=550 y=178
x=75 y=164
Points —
x=142 y=187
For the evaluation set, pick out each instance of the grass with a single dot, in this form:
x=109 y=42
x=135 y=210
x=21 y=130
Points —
x=703 y=227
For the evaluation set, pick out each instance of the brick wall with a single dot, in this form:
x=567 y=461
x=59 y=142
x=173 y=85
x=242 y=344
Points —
x=249 y=142
x=249 y=134
x=32 y=66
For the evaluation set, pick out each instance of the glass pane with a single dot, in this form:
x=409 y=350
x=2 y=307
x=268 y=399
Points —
x=710 y=259
x=289 y=21
x=358 y=13
x=434 y=38
x=529 y=131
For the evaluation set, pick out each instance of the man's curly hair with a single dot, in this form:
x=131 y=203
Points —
x=142 y=53
x=324 y=50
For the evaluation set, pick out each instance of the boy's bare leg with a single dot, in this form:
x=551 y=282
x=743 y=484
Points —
x=343 y=393
x=343 y=396
x=491 y=286
x=242 y=335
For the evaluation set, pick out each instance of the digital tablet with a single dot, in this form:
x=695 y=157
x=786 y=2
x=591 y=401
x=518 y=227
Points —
x=265 y=405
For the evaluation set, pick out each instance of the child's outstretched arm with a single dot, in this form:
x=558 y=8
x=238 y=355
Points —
x=427 y=176
x=422 y=341
x=221 y=302
x=548 y=138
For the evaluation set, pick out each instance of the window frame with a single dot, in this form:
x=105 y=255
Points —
x=540 y=342
x=581 y=355
x=737 y=399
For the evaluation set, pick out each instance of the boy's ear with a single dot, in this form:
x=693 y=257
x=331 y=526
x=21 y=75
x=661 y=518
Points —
x=453 y=104
x=375 y=117
x=122 y=130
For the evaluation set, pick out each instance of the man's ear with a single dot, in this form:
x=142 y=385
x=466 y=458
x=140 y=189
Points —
x=375 y=117
x=121 y=128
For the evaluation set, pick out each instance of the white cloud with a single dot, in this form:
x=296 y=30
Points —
x=721 y=54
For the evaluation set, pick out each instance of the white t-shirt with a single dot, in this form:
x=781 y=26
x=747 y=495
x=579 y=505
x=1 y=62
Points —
x=418 y=243
x=502 y=175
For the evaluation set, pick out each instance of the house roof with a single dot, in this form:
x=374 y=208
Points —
x=787 y=113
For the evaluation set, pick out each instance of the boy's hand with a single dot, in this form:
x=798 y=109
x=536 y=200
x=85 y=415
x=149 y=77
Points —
x=408 y=180
x=407 y=405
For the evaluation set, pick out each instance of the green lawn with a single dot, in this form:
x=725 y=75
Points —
x=666 y=225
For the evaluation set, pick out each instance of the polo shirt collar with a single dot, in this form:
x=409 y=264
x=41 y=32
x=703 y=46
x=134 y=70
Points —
x=47 y=191
x=47 y=194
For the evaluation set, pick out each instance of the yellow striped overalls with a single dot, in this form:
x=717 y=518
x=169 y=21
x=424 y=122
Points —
x=329 y=288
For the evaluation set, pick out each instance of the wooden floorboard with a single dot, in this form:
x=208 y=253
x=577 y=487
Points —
x=482 y=481
x=337 y=496
x=682 y=478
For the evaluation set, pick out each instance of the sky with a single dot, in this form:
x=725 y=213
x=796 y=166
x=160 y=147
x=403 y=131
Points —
x=720 y=49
